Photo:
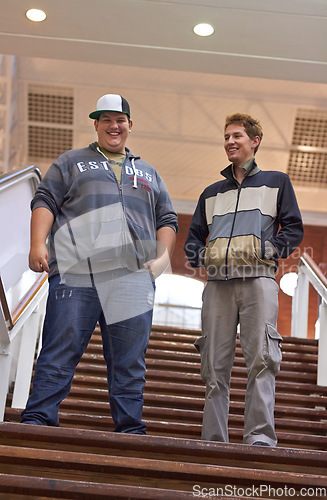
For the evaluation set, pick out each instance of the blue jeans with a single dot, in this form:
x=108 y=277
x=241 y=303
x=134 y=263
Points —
x=71 y=316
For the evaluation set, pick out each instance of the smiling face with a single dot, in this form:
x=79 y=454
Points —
x=238 y=145
x=113 y=129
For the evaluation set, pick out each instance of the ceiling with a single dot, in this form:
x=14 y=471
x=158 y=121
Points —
x=280 y=39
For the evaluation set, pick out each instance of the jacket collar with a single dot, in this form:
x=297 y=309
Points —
x=94 y=146
x=228 y=171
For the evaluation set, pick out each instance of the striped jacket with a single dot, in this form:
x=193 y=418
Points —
x=240 y=231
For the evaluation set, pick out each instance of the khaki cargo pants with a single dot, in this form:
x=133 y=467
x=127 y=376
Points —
x=252 y=303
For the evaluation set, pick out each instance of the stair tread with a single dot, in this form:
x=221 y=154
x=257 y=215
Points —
x=172 y=457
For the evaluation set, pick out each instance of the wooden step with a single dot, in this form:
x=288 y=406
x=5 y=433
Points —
x=288 y=354
x=291 y=435
x=170 y=372
x=88 y=461
x=291 y=393
x=19 y=487
x=179 y=335
x=172 y=412
x=301 y=372
x=290 y=351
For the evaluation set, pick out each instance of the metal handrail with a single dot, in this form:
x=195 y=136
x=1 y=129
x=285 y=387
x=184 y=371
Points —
x=5 y=307
x=28 y=297
x=309 y=272
x=11 y=317
x=315 y=275
x=16 y=174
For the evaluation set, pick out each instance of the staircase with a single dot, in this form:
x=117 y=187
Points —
x=83 y=459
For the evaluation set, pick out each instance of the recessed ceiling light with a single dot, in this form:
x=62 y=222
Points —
x=203 y=29
x=36 y=15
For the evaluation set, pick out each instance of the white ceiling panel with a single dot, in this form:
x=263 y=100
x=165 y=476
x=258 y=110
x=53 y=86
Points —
x=267 y=58
x=259 y=38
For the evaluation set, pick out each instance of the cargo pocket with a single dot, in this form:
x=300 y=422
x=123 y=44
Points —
x=273 y=352
x=201 y=346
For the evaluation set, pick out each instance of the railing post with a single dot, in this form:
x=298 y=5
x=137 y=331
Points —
x=5 y=364
x=300 y=307
x=322 y=345
x=29 y=336
x=30 y=325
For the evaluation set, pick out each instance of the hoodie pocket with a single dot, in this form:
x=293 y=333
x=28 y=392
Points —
x=113 y=246
x=201 y=346
x=145 y=248
x=273 y=352
x=109 y=241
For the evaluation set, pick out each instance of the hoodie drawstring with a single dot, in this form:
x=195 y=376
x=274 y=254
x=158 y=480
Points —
x=135 y=186
x=135 y=176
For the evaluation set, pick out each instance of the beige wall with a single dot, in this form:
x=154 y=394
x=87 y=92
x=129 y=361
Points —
x=178 y=117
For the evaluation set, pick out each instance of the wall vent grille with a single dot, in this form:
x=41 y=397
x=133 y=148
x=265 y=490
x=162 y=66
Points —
x=308 y=157
x=50 y=121
x=48 y=142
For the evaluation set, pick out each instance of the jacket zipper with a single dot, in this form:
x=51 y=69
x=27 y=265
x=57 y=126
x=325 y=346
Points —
x=125 y=223
x=231 y=233
x=120 y=187
x=239 y=187
x=120 y=192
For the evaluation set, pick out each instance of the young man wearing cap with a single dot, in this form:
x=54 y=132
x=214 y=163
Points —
x=241 y=227
x=112 y=230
